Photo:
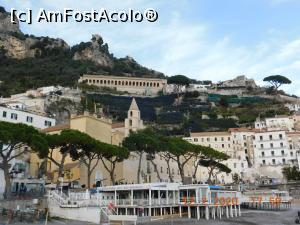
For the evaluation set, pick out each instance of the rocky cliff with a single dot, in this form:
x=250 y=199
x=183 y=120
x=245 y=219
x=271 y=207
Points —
x=27 y=61
x=21 y=46
x=18 y=45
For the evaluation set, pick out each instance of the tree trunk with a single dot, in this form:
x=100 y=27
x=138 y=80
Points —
x=139 y=168
x=89 y=173
x=209 y=181
x=156 y=170
x=112 y=177
x=195 y=171
x=170 y=172
x=181 y=169
x=61 y=169
x=7 y=191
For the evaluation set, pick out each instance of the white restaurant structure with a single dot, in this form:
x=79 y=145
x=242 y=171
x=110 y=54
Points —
x=144 y=202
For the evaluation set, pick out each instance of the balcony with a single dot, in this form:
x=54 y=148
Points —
x=273 y=156
x=273 y=148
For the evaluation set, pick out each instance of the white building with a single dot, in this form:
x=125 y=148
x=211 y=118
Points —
x=21 y=115
x=294 y=148
x=198 y=87
x=172 y=88
x=286 y=123
x=254 y=153
x=293 y=107
x=223 y=142
x=271 y=153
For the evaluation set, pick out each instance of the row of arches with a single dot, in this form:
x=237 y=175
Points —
x=122 y=83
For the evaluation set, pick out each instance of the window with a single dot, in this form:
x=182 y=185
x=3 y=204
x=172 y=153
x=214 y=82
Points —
x=282 y=152
x=223 y=146
x=272 y=153
x=271 y=145
x=281 y=145
x=14 y=116
x=264 y=162
x=261 y=138
x=273 y=161
x=261 y=145
x=208 y=139
x=234 y=165
x=242 y=165
x=244 y=137
x=291 y=146
x=228 y=138
x=195 y=139
x=262 y=154
x=245 y=144
x=271 y=137
x=4 y=114
x=246 y=151
x=216 y=139
x=283 y=161
x=161 y=169
x=280 y=136
x=48 y=123
x=29 y=119
x=291 y=153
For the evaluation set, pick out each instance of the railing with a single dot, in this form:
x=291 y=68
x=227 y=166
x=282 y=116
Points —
x=58 y=197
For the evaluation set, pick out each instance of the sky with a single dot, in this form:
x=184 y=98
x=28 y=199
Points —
x=202 y=39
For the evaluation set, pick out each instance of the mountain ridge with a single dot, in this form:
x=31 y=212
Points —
x=27 y=61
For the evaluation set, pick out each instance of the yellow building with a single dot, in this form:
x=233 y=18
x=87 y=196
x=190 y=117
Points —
x=110 y=132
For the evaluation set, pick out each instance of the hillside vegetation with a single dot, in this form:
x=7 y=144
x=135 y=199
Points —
x=27 y=61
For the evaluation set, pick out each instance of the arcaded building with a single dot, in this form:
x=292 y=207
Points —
x=132 y=85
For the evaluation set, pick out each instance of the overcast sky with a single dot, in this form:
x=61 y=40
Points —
x=203 y=39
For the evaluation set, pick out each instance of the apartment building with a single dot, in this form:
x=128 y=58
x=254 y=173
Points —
x=18 y=113
x=294 y=147
x=254 y=153
x=286 y=123
x=223 y=142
